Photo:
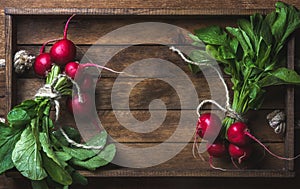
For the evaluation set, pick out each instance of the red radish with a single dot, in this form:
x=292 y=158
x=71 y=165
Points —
x=216 y=150
x=239 y=153
x=80 y=108
x=71 y=69
x=43 y=61
x=236 y=134
x=87 y=83
x=239 y=134
x=42 y=64
x=208 y=125
x=64 y=50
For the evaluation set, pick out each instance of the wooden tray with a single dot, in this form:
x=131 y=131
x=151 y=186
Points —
x=29 y=28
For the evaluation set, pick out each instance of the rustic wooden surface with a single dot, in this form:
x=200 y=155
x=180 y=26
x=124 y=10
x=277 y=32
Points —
x=231 y=7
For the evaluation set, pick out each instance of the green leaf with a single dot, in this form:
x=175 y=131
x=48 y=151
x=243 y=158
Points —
x=234 y=44
x=27 y=158
x=225 y=53
x=47 y=148
x=27 y=105
x=63 y=156
x=246 y=27
x=71 y=132
x=79 y=153
x=279 y=77
x=200 y=56
x=55 y=70
x=18 y=117
x=279 y=25
x=212 y=35
x=103 y=158
x=242 y=37
x=194 y=38
x=98 y=140
x=56 y=172
x=83 y=154
x=265 y=32
x=292 y=22
x=213 y=52
x=256 y=21
x=8 y=139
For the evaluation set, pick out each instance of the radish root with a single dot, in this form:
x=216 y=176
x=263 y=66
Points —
x=269 y=151
x=212 y=166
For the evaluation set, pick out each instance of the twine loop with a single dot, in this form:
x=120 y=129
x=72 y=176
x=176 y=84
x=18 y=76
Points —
x=48 y=91
x=229 y=112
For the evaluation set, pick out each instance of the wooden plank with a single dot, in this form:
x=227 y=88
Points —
x=119 y=127
x=121 y=57
x=191 y=4
x=2 y=34
x=150 y=89
x=133 y=11
x=10 y=86
x=289 y=140
x=3 y=99
x=94 y=30
x=184 y=164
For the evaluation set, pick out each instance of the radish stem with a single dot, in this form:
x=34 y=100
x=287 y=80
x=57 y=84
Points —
x=67 y=26
x=42 y=49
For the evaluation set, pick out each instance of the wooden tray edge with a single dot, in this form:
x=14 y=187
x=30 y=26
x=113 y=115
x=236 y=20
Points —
x=132 y=11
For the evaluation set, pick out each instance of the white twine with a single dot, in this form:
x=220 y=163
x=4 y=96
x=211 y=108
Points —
x=2 y=63
x=49 y=92
x=276 y=120
x=77 y=144
x=23 y=61
x=228 y=110
x=2 y=120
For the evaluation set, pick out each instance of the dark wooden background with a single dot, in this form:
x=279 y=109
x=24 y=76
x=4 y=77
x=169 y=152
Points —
x=242 y=5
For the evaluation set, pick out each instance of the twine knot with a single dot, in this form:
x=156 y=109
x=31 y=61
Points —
x=276 y=120
x=48 y=91
x=23 y=61
x=234 y=115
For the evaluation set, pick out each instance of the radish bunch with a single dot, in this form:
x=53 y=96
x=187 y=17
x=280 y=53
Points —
x=63 y=53
x=236 y=143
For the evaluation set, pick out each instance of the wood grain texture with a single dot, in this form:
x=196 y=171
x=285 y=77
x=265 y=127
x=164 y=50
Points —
x=121 y=57
x=184 y=164
x=81 y=28
x=119 y=127
x=147 y=90
x=243 y=5
x=205 y=4
x=289 y=143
